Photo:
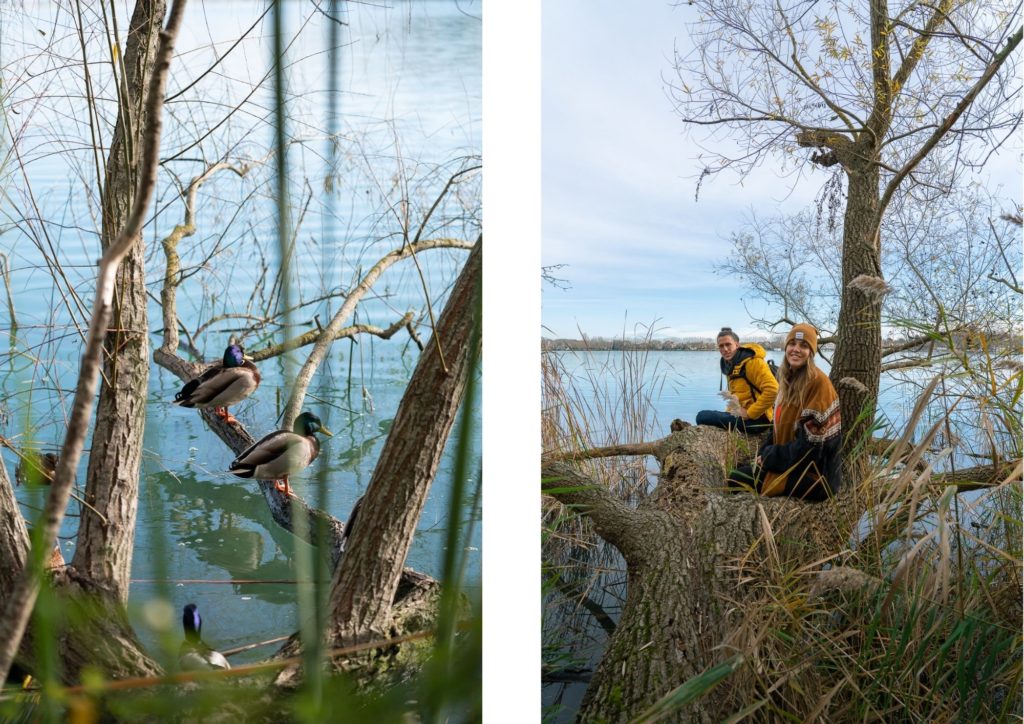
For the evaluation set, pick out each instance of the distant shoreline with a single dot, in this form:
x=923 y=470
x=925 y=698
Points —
x=602 y=344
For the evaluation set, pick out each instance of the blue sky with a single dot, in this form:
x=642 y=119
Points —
x=619 y=178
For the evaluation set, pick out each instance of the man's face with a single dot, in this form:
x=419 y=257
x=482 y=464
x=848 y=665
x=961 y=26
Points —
x=727 y=347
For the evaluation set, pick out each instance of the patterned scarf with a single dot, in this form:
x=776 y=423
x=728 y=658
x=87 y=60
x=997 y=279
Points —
x=819 y=414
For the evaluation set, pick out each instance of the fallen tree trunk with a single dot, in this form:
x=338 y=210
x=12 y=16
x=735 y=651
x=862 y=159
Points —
x=686 y=547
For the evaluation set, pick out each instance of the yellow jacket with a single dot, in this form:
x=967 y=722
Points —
x=751 y=380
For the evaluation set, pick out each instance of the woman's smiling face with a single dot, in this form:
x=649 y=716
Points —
x=797 y=353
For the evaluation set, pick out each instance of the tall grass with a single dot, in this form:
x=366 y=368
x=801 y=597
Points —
x=607 y=400
x=919 y=620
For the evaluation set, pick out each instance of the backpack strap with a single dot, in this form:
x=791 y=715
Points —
x=755 y=391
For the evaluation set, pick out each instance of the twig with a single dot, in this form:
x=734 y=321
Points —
x=609 y=451
x=250 y=647
x=312 y=336
x=326 y=338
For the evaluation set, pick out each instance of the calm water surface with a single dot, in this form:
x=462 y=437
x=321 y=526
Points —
x=680 y=384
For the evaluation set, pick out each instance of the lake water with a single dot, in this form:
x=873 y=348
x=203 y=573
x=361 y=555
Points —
x=409 y=118
x=679 y=384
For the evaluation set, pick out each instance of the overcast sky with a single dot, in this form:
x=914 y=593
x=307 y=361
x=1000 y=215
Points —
x=619 y=179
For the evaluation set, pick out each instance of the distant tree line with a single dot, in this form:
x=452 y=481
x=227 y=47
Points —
x=615 y=344
x=1000 y=340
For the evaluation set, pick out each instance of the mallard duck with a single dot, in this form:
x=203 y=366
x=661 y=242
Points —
x=195 y=654
x=225 y=384
x=282 y=453
x=35 y=469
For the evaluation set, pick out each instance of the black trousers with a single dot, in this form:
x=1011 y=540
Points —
x=714 y=418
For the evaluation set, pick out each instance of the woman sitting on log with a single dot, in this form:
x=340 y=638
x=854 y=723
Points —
x=801 y=456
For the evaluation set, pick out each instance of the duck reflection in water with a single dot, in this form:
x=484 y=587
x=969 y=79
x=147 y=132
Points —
x=232 y=532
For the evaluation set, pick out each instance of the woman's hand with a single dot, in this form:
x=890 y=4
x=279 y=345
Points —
x=742 y=413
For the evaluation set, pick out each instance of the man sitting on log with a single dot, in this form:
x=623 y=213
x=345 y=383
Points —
x=752 y=387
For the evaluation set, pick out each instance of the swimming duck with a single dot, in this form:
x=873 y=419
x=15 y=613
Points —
x=195 y=654
x=282 y=453
x=225 y=384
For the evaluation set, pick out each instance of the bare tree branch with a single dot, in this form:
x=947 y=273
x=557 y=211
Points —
x=610 y=451
x=330 y=332
x=172 y=271
x=947 y=123
x=315 y=334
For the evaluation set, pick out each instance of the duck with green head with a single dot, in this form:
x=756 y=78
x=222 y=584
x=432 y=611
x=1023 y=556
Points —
x=195 y=654
x=222 y=385
x=282 y=453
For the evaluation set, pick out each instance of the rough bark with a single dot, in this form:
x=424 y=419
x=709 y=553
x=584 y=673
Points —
x=93 y=632
x=14 y=544
x=681 y=547
x=104 y=550
x=859 y=350
x=364 y=584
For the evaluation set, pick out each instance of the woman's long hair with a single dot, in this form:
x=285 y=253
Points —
x=793 y=383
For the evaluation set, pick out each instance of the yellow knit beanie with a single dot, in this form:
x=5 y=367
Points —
x=805 y=332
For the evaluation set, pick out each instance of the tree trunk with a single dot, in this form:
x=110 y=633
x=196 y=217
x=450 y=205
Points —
x=364 y=584
x=14 y=544
x=859 y=330
x=104 y=550
x=681 y=547
x=94 y=630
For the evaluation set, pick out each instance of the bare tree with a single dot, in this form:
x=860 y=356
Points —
x=881 y=92
x=136 y=181
x=106 y=539
x=946 y=265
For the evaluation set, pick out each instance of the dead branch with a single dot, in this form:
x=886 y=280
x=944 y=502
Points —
x=282 y=507
x=329 y=333
x=980 y=477
x=172 y=273
x=608 y=451
x=906 y=364
x=313 y=335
